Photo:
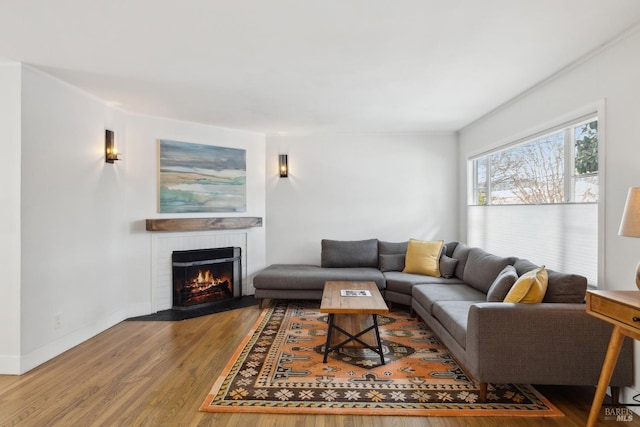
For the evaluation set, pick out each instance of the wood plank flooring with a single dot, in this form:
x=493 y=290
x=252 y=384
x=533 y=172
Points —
x=158 y=373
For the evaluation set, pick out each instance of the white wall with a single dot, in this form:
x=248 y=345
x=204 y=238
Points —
x=141 y=158
x=76 y=256
x=10 y=84
x=358 y=186
x=612 y=76
x=72 y=219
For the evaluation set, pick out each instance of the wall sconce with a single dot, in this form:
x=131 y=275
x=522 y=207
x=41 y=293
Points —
x=284 y=166
x=630 y=224
x=110 y=151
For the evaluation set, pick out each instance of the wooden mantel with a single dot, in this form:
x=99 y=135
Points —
x=203 y=224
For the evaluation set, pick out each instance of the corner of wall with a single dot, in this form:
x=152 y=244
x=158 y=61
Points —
x=10 y=215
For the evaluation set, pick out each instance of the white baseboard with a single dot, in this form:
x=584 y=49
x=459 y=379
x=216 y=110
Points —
x=55 y=348
x=9 y=365
x=141 y=309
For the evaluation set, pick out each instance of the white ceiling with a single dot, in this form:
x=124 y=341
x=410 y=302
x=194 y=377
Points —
x=302 y=66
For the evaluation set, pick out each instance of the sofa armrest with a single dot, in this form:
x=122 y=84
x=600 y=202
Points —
x=548 y=343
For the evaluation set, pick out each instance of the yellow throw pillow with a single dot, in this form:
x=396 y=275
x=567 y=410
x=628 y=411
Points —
x=423 y=257
x=529 y=288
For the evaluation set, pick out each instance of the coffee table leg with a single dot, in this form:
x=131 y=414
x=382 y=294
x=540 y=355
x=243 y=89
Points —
x=327 y=346
x=375 y=328
x=331 y=327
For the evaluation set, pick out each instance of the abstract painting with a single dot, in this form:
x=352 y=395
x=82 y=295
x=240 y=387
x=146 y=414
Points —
x=201 y=178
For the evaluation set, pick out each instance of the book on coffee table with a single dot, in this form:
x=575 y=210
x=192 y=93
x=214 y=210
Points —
x=354 y=293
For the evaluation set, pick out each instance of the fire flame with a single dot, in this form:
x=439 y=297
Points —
x=205 y=277
x=204 y=287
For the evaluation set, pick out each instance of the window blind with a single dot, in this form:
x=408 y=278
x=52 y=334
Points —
x=563 y=237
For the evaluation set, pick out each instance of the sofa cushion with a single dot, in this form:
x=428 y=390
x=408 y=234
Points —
x=523 y=266
x=342 y=253
x=453 y=316
x=403 y=282
x=561 y=287
x=311 y=277
x=390 y=262
x=448 y=266
x=428 y=295
x=461 y=253
x=391 y=255
x=502 y=285
x=423 y=257
x=482 y=268
x=529 y=288
x=448 y=248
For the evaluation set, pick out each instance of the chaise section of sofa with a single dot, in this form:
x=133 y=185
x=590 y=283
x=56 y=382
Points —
x=340 y=261
x=299 y=281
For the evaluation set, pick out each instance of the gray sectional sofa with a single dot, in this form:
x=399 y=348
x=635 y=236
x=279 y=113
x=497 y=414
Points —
x=553 y=342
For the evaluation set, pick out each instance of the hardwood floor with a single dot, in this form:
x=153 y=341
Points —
x=158 y=373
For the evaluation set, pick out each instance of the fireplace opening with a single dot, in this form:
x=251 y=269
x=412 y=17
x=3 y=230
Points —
x=206 y=276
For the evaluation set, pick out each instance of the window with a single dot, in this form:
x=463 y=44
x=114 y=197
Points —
x=537 y=198
x=558 y=167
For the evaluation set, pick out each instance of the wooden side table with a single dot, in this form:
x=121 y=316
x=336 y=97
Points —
x=622 y=310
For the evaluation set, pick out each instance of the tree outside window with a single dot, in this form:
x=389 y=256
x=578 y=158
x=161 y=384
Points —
x=560 y=167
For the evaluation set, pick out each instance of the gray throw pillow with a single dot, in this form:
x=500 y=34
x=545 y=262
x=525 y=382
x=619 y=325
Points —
x=448 y=266
x=391 y=255
x=461 y=253
x=450 y=247
x=482 y=268
x=502 y=285
x=391 y=262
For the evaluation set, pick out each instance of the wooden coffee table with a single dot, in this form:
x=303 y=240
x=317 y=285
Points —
x=352 y=319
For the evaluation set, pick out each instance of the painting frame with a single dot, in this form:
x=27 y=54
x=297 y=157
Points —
x=198 y=178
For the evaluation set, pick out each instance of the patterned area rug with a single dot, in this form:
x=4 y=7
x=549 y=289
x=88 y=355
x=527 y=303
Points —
x=278 y=369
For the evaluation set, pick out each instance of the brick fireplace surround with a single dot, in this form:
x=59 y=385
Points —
x=179 y=234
